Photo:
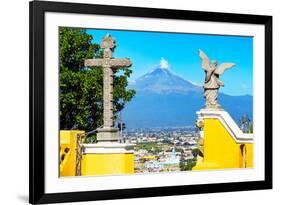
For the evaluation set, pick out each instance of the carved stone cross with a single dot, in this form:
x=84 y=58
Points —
x=108 y=63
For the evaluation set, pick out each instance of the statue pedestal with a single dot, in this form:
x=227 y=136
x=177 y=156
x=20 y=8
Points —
x=107 y=158
x=107 y=134
x=224 y=144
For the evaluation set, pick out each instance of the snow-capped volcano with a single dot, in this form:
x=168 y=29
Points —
x=162 y=80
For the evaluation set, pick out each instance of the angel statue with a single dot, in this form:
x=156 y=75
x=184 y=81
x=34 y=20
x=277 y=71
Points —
x=212 y=82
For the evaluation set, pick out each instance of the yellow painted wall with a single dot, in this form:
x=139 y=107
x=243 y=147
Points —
x=107 y=164
x=91 y=164
x=68 y=152
x=250 y=155
x=220 y=149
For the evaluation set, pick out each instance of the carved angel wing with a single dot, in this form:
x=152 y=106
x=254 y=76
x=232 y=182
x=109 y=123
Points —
x=223 y=67
x=205 y=61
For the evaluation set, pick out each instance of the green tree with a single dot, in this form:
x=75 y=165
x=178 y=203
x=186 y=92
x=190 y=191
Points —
x=81 y=104
x=190 y=163
x=251 y=127
x=245 y=124
x=195 y=152
x=187 y=164
x=182 y=162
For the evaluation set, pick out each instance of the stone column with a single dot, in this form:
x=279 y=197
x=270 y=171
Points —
x=107 y=97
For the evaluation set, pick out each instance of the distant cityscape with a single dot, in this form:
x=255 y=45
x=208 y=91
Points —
x=163 y=149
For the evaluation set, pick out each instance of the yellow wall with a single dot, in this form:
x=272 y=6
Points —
x=91 y=164
x=249 y=154
x=107 y=164
x=220 y=149
x=68 y=152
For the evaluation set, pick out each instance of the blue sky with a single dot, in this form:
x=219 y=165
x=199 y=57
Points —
x=180 y=52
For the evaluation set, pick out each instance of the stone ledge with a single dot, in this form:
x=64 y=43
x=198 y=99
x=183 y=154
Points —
x=108 y=147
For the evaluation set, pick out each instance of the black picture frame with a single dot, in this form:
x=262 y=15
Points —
x=37 y=11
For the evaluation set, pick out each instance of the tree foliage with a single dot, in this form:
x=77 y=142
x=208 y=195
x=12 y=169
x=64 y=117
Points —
x=245 y=124
x=188 y=164
x=81 y=100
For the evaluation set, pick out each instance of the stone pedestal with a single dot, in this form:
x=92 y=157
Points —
x=224 y=145
x=107 y=158
x=109 y=134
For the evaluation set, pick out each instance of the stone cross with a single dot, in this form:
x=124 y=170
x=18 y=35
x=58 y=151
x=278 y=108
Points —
x=108 y=63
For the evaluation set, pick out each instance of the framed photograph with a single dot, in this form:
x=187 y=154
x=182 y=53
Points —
x=130 y=102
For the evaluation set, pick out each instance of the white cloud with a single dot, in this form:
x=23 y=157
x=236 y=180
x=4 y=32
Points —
x=164 y=64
